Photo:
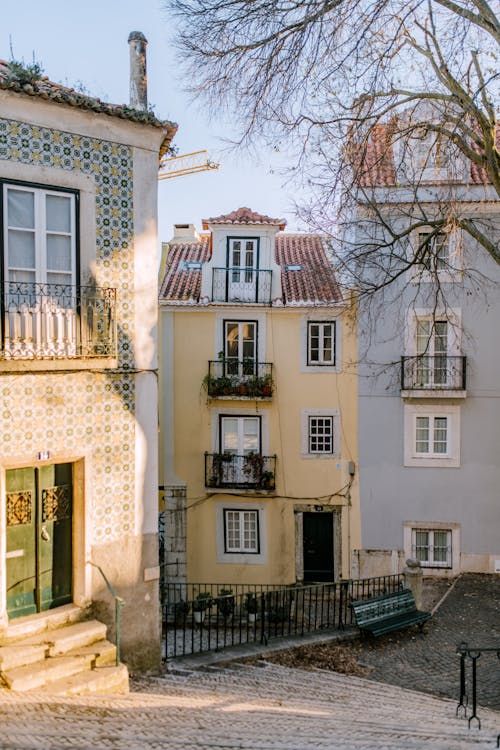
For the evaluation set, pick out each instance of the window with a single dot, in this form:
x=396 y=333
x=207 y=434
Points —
x=241 y=531
x=240 y=435
x=432 y=547
x=320 y=433
x=431 y=150
x=433 y=250
x=432 y=352
x=242 y=259
x=321 y=343
x=240 y=347
x=432 y=435
x=39 y=235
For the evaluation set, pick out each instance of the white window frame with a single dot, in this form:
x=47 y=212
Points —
x=242 y=515
x=321 y=361
x=240 y=317
x=306 y=416
x=418 y=273
x=452 y=565
x=412 y=457
x=453 y=317
x=40 y=229
x=318 y=367
x=244 y=557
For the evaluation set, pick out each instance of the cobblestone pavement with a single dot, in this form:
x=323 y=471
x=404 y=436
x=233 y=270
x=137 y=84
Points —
x=427 y=661
x=250 y=708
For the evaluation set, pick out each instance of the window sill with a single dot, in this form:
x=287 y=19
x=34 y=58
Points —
x=57 y=365
x=433 y=393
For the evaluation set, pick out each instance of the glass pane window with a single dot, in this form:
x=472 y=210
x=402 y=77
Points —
x=241 y=531
x=39 y=235
x=432 y=547
x=320 y=434
x=433 y=250
x=240 y=435
x=431 y=435
x=321 y=343
x=240 y=347
x=432 y=352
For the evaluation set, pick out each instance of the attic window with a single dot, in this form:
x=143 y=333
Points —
x=192 y=265
x=293 y=267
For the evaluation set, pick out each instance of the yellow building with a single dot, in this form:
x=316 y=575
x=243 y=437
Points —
x=258 y=406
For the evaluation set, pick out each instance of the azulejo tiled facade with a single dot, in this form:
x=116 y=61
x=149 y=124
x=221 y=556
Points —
x=89 y=411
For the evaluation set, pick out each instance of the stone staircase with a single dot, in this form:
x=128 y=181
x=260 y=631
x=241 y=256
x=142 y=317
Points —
x=61 y=656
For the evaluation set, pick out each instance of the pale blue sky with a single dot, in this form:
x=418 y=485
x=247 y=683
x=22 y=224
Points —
x=86 y=43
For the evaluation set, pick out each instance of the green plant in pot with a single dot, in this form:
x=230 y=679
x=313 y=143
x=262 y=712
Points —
x=202 y=602
x=181 y=611
x=267 y=480
x=225 y=603
x=251 y=605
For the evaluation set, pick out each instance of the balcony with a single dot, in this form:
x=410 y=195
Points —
x=56 y=321
x=250 y=285
x=233 y=378
x=438 y=376
x=230 y=471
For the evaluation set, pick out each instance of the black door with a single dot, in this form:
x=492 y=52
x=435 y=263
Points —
x=318 y=546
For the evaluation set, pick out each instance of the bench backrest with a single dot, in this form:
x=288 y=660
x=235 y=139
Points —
x=380 y=607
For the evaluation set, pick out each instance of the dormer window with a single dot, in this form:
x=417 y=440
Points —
x=431 y=150
x=243 y=259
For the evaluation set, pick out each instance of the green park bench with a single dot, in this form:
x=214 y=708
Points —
x=383 y=614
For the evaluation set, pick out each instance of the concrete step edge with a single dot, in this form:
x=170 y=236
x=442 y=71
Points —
x=103 y=680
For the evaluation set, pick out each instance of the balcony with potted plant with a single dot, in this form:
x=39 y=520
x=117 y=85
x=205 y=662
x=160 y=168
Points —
x=229 y=378
x=251 y=471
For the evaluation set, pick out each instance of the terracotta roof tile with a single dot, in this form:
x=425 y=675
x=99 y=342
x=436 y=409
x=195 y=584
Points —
x=244 y=216
x=315 y=282
x=376 y=165
x=182 y=282
x=312 y=282
x=55 y=92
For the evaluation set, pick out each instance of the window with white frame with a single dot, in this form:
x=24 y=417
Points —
x=240 y=347
x=320 y=433
x=432 y=547
x=433 y=250
x=39 y=235
x=241 y=531
x=432 y=435
x=321 y=343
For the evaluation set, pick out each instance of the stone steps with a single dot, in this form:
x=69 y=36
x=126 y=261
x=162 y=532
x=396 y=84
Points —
x=75 y=658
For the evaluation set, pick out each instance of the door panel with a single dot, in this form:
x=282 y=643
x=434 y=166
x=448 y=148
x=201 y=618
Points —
x=21 y=553
x=318 y=546
x=55 y=547
x=39 y=538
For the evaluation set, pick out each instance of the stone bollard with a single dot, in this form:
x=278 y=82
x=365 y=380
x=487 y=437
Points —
x=413 y=580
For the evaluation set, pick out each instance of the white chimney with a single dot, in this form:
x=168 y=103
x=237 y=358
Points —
x=138 y=75
x=185 y=233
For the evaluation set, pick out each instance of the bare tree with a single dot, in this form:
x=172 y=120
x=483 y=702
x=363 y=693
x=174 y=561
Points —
x=369 y=94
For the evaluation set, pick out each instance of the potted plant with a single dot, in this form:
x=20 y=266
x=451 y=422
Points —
x=253 y=466
x=267 y=480
x=267 y=386
x=202 y=602
x=225 y=603
x=251 y=606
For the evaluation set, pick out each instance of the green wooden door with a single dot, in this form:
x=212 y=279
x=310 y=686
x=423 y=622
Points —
x=39 y=538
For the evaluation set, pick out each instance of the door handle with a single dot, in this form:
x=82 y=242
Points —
x=45 y=534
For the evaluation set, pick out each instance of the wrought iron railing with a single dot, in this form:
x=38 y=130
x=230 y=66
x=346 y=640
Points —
x=239 y=378
x=440 y=372
x=200 y=617
x=250 y=471
x=47 y=321
x=473 y=654
x=236 y=284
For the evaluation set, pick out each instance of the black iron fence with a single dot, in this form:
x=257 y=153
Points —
x=469 y=657
x=249 y=471
x=439 y=372
x=241 y=284
x=56 y=320
x=199 y=617
x=234 y=377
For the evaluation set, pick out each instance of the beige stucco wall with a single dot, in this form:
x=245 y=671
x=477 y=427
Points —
x=301 y=483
